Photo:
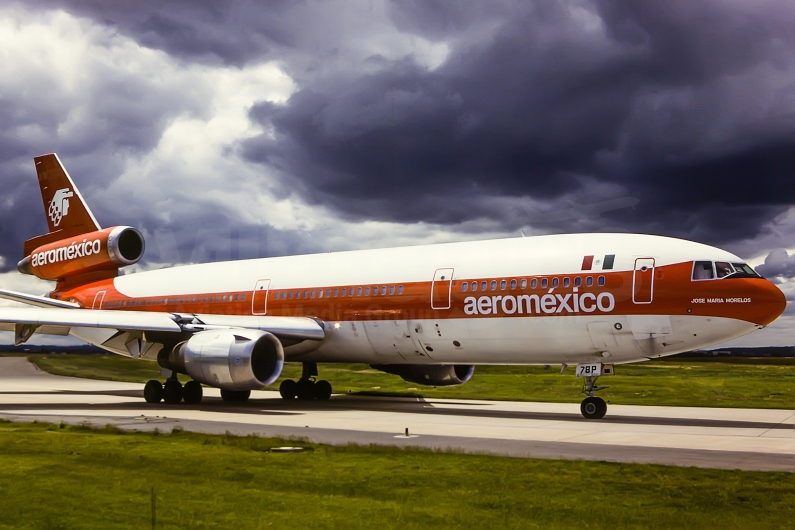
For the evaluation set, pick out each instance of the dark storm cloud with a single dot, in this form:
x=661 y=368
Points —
x=671 y=117
x=687 y=106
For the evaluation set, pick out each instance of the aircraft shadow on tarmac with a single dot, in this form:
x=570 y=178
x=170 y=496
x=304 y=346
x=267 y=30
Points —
x=413 y=405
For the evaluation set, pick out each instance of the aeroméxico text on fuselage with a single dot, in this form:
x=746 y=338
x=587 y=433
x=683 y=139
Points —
x=426 y=313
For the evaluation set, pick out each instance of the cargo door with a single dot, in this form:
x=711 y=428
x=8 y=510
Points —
x=643 y=281
x=441 y=289
x=259 y=298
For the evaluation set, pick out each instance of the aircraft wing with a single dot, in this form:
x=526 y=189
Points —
x=25 y=321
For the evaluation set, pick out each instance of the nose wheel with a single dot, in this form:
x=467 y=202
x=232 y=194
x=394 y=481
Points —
x=592 y=407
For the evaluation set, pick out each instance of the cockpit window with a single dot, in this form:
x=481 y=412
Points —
x=723 y=269
x=702 y=270
x=743 y=270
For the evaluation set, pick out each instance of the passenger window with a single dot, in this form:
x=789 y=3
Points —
x=336 y=292
x=474 y=286
x=723 y=269
x=493 y=285
x=237 y=297
x=400 y=289
x=464 y=287
x=544 y=283
x=484 y=286
x=566 y=282
x=601 y=280
x=513 y=284
x=223 y=299
x=503 y=285
x=366 y=291
x=702 y=270
x=589 y=281
x=276 y=296
x=554 y=282
x=523 y=284
x=306 y=293
x=312 y=294
x=391 y=289
x=383 y=290
x=243 y=297
x=533 y=283
x=298 y=295
x=358 y=291
x=577 y=281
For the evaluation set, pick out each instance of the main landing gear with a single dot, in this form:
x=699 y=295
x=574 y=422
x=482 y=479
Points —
x=308 y=387
x=172 y=392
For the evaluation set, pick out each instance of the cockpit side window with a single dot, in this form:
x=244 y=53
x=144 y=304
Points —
x=702 y=270
x=723 y=269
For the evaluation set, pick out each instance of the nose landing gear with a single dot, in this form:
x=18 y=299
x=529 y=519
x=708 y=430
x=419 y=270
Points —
x=308 y=387
x=592 y=407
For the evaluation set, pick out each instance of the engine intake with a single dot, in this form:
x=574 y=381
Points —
x=232 y=359
x=430 y=375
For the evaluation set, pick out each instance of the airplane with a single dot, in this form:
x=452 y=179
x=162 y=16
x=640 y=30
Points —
x=428 y=314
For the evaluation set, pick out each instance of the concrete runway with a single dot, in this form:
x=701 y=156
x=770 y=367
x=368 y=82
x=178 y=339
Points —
x=750 y=439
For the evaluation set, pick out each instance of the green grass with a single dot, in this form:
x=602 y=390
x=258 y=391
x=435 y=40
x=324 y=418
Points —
x=62 y=477
x=674 y=382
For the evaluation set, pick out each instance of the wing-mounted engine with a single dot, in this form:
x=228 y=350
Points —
x=430 y=375
x=231 y=359
x=101 y=251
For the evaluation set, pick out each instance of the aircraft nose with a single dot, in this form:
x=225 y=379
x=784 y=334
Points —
x=769 y=302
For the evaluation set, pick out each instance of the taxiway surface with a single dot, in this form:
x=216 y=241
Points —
x=750 y=439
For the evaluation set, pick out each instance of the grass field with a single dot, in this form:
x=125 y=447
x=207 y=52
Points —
x=62 y=477
x=745 y=383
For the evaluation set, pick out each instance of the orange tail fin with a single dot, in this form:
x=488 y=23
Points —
x=67 y=213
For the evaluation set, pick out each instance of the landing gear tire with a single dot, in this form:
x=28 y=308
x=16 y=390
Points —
x=153 y=391
x=172 y=392
x=192 y=392
x=235 y=395
x=593 y=408
x=305 y=389
x=288 y=389
x=322 y=390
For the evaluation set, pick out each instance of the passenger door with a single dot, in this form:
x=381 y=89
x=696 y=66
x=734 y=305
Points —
x=441 y=289
x=259 y=298
x=643 y=281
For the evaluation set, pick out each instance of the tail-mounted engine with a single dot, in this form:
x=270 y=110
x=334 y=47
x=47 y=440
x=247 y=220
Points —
x=231 y=359
x=103 y=250
x=430 y=375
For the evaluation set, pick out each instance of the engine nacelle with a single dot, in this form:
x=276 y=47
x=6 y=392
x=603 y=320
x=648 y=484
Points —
x=232 y=359
x=105 y=249
x=430 y=375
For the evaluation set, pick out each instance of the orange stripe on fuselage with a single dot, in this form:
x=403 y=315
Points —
x=750 y=299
